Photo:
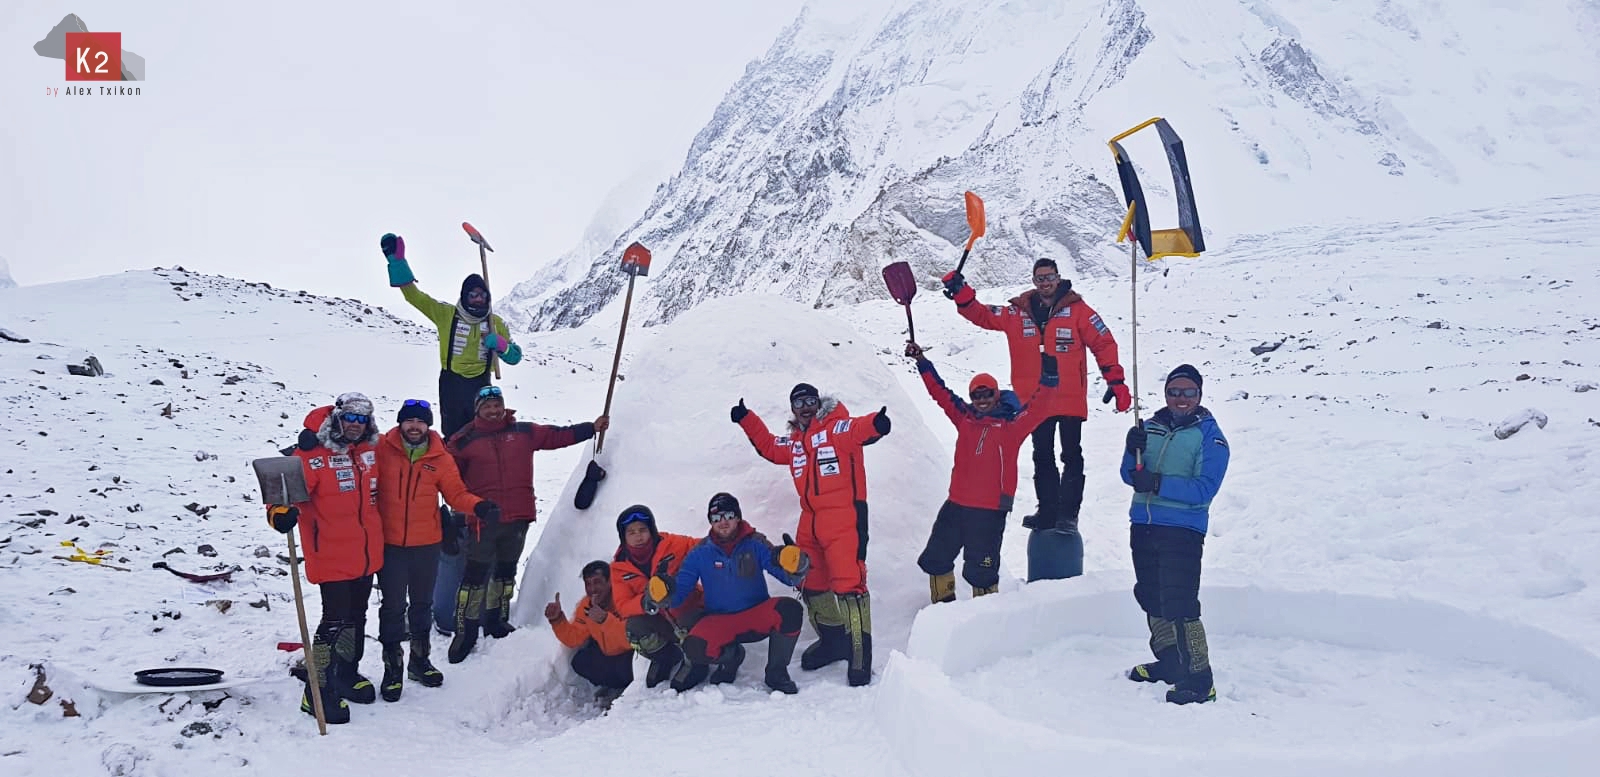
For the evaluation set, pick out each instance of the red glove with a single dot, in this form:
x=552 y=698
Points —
x=1116 y=388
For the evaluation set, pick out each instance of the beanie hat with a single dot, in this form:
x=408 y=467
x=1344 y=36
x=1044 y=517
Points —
x=474 y=281
x=636 y=514
x=1186 y=371
x=353 y=402
x=595 y=568
x=802 y=390
x=723 y=502
x=983 y=380
x=415 y=409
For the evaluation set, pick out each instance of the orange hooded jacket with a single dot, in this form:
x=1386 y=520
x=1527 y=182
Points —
x=408 y=491
x=611 y=636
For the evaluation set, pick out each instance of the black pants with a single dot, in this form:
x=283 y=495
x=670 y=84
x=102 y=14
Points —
x=971 y=531
x=603 y=670
x=406 y=582
x=649 y=634
x=346 y=600
x=1060 y=493
x=1166 y=569
x=498 y=543
x=457 y=395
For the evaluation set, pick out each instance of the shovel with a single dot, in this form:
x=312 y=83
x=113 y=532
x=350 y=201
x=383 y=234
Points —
x=283 y=482
x=975 y=222
x=902 y=286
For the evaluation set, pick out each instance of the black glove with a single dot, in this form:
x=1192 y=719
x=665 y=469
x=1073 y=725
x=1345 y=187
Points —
x=487 y=511
x=1049 y=371
x=1146 y=482
x=308 y=440
x=283 y=517
x=953 y=283
x=450 y=532
x=880 y=422
x=1137 y=437
x=738 y=412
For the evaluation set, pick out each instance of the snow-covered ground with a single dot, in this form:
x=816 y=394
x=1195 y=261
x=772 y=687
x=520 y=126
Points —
x=1389 y=588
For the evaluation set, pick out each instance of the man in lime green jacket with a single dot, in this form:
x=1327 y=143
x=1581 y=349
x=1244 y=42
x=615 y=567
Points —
x=468 y=334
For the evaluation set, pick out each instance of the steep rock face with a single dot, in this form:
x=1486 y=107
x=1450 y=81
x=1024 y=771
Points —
x=848 y=145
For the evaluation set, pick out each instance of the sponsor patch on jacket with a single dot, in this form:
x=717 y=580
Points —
x=820 y=438
x=841 y=427
x=316 y=462
x=996 y=310
x=367 y=457
x=799 y=462
x=794 y=445
x=827 y=461
x=345 y=474
x=347 y=486
x=430 y=468
x=1099 y=326
x=1063 y=340
x=340 y=460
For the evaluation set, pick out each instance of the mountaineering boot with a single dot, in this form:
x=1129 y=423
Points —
x=419 y=668
x=497 y=608
x=393 y=672
x=942 y=588
x=728 y=661
x=689 y=675
x=1030 y=521
x=662 y=664
x=858 y=624
x=780 y=648
x=346 y=677
x=1195 y=686
x=469 y=606
x=985 y=591
x=334 y=709
x=833 y=642
x=1167 y=668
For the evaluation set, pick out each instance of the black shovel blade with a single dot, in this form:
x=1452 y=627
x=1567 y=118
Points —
x=901 y=282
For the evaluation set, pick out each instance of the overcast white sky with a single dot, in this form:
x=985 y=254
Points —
x=277 y=141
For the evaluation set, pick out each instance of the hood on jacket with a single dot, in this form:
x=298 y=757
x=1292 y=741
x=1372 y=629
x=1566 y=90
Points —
x=330 y=427
x=1024 y=300
x=474 y=281
x=1006 y=406
x=824 y=410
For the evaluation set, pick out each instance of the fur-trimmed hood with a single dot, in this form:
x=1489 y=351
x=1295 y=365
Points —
x=825 y=409
x=330 y=427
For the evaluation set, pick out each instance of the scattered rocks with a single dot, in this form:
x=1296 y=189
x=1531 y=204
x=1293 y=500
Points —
x=6 y=334
x=1517 y=421
x=1268 y=347
x=262 y=551
x=197 y=728
x=1525 y=376
x=90 y=368
x=207 y=551
x=1436 y=325
x=157 y=382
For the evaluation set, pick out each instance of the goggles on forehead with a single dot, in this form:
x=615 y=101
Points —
x=803 y=402
x=422 y=403
x=635 y=517
x=1186 y=393
x=490 y=391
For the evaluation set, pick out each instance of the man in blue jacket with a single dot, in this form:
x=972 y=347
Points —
x=1175 y=463
x=729 y=564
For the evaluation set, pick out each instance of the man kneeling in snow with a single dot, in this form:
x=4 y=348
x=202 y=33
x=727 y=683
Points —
x=729 y=563
x=598 y=631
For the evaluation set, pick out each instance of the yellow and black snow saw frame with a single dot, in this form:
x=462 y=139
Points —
x=1184 y=240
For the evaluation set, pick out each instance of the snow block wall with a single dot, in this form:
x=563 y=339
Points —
x=948 y=642
x=671 y=446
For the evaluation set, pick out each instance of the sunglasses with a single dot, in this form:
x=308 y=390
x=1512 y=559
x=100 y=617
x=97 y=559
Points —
x=1039 y=280
x=486 y=392
x=722 y=515
x=354 y=418
x=982 y=394
x=422 y=403
x=1186 y=393
x=803 y=402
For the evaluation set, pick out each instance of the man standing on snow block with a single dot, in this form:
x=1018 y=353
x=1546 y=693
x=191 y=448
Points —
x=983 y=481
x=495 y=454
x=643 y=549
x=597 y=631
x=341 y=537
x=414 y=472
x=823 y=451
x=729 y=563
x=1052 y=320
x=467 y=333
x=1182 y=458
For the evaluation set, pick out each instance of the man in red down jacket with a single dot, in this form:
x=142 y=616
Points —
x=341 y=537
x=983 y=481
x=822 y=449
x=495 y=455
x=1051 y=320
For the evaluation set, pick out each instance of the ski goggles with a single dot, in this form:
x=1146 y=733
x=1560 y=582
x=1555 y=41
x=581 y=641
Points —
x=722 y=515
x=489 y=391
x=1185 y=393
x=355 y=418
x=1051 y=277
x=981 y=394
x=633 y=517
x=800 y=403
x=422 y=403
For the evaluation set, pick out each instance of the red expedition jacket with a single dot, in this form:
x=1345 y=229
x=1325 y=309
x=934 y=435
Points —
x=985 y=472
x=826 y=459
x=497 y=462
x=341 y=533
x=1072 y=327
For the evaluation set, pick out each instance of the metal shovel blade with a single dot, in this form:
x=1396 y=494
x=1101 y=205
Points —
x=282 y=480
x=901 y=282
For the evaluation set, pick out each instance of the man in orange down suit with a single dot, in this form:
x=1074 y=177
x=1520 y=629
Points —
x=644 y=551
x=598 y=632
x=1051 y=321
x=823 y=451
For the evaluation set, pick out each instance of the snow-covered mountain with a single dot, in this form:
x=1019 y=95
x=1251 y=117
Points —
x=6 y=281
x=848 y=145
